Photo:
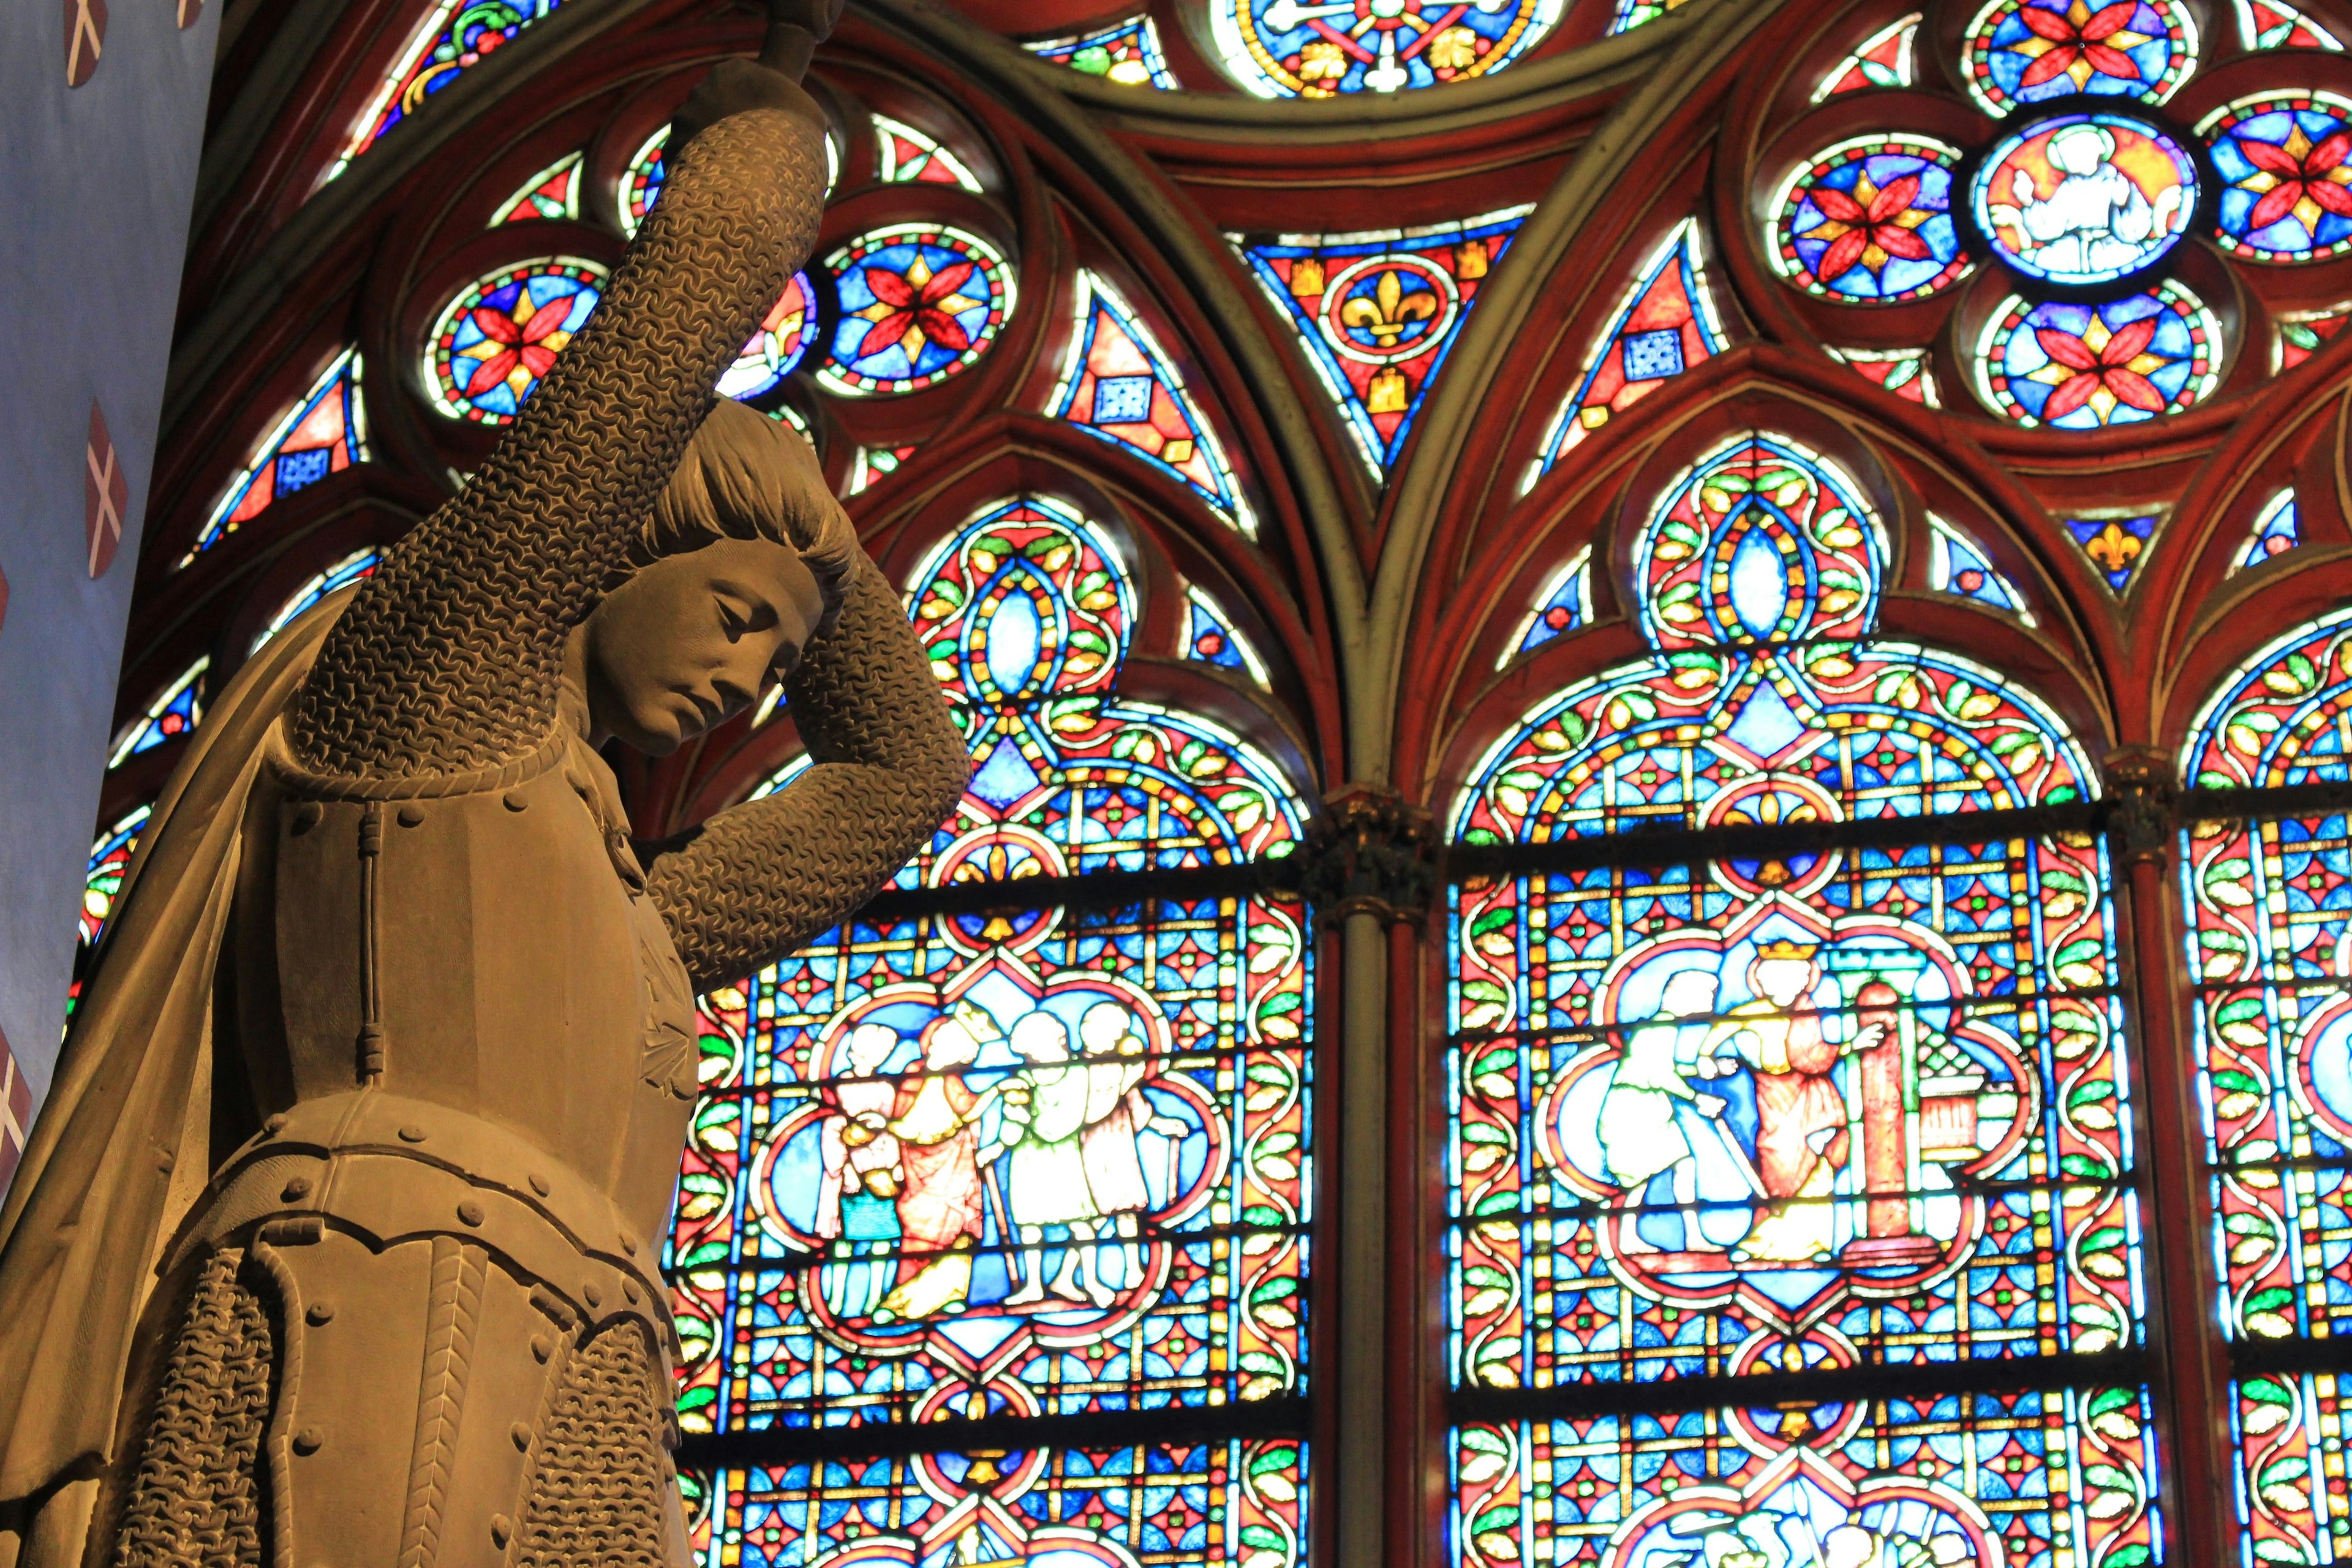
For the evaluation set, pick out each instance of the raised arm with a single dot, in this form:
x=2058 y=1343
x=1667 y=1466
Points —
x=450 y=656
x=757 y=881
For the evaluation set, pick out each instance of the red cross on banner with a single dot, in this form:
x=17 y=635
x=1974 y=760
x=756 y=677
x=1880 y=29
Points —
x=84 y=37
x=15 y=1112
x=105 y=494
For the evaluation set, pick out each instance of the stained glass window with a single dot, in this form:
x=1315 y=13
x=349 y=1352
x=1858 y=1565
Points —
x=1209 y=636
x=453 y=35
x=641 y=181
x=2302 y=334
x=912 y=156
x=323 y=433
x=1120 y=385
x=1377 y=312
x=1631 y=14
x=1284 y=48
x=498 y=337
x=1871 y=218
x=2266 y=903
x=2274 y=533
x=870 y=463
x=2272 y=25
x=1832 y=1099
x=1562 y=606
x=2080 y=365
x=109 y=857
x=179 y=709
x=962 y=1159
x=2033 y=51
x=1124 y=52
x=359 y=563
x=552 y=193
x=1903 y=372
x=777 y=349
x=1956 y=564
x=2286 y=192
x=919 y=303
x=2113 y=541
x=1667 y=325
x=1884 y=59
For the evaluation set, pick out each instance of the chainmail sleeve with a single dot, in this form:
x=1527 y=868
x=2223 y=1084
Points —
x=450 y=656
x=757 y=881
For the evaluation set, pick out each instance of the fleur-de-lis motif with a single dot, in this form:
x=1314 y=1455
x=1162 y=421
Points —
x=1388 y=313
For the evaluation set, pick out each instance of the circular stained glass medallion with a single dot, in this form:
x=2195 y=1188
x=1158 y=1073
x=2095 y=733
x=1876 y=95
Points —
x=1871 y=219
x=2286 y=184
x=2084 y=198
x=1319 y=49
x=1380 y=309
x=2031 y=51
x=641 y=182
x=919 y=303
x=780 y=345
x=499 y=336
x=2079 y=366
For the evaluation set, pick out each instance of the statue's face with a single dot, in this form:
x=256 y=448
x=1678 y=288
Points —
x=691 y=640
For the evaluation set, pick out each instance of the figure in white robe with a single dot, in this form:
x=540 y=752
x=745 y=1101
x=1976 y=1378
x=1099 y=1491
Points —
x=1663 y=1137
x=1045 y=1179
x=1116 y=1114
x=2097 y=222
x=856 y=1205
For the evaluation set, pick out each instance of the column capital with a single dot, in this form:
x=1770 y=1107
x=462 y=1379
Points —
x=1371 y=851
x=2140 y=804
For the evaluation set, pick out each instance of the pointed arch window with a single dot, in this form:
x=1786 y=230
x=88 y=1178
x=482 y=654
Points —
x=1790 y=1151
x=993 y=1233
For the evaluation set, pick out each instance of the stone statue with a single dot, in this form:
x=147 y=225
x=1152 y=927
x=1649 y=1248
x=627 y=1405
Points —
x=337 y=1243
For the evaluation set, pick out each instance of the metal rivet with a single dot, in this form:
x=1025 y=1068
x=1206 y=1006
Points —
x=538 y=1183
x=629 y=1243
x=521 y=1435
x=502 y=1529
x=276 y=1125
x=410 y=816
x=308 y=1440
x=307 y=816
x=515 y=800
x=540 y=1348
x=594 y=1293
x=412 y=1133
x=470 y=1212
x=320 y=1312
x=298 y=1187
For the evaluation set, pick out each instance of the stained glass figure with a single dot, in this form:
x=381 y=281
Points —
x=1209 y=636
x=1378 y=311
x=1632 y=13
x=1796 y=1109
x=453 y=36
x=2287 y=191
x=1119 y=384
x=1667 y=324
x=359 y=563
x=1869 y=219
x=1316 y=48
x=1180 y=1504
x=2084 y=198
x=109 y=857
x=912 y=156
x=498 y=336
x=2274 y=533
x=2302 y=334
x=2274 y=24
x=2020 y=52
x=552 y=193
x=1884 y=59
x=1019 y=1162
x=1124 y=52
x=323 y=433
x=777 y=349
x=1562 y=606
x=870 y=463
x=1903 y=372
x=1956 y=564
x=2079 y=366
x=920 y=302
x=2114 y=543
x=641 y=181
x=2267 y=901
x=179 y=709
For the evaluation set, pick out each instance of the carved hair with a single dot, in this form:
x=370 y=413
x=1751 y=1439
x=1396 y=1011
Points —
x=746 y=476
